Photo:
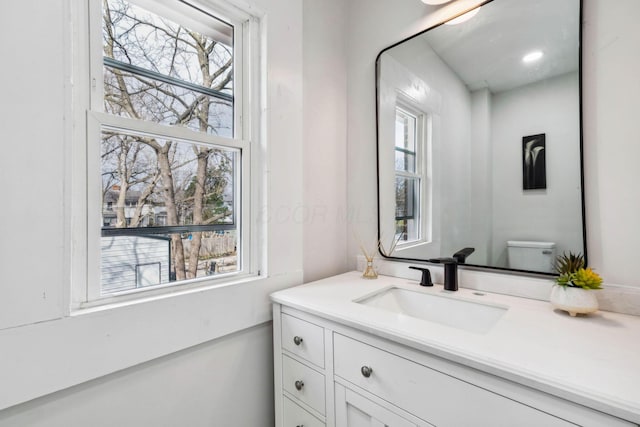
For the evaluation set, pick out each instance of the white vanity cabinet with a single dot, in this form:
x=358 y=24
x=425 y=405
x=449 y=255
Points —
x=301 y=380
x=352 y=378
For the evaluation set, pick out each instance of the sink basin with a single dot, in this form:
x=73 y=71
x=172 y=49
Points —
x=447 y=310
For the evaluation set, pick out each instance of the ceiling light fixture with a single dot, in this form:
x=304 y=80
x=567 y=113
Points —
x=532 y=56
x=435 y=1
x=464 y=17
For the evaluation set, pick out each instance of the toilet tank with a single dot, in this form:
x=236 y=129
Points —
x=531 y=255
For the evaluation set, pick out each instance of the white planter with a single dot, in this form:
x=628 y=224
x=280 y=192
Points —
x=574 y=300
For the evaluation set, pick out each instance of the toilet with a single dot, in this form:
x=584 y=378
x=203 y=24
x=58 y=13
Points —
x=531 y=255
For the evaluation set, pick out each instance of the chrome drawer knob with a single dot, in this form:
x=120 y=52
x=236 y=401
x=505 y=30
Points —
x=299 y=384
x=297 y=340
x=366 y=371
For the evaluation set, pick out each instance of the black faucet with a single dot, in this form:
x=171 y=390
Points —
x=450 y=272
x=462 y=254
x=426 y=276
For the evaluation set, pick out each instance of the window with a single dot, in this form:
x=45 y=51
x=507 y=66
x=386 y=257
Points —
x=166 y=129
x=409 y=174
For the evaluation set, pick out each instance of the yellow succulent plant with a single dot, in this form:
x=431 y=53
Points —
x=587 y=278
x=572 y=272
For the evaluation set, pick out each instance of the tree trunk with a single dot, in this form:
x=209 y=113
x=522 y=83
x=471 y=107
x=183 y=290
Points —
x=121 y=220
x=168 y=193
x=198 y=209
x=202 y=112
x=142 y=202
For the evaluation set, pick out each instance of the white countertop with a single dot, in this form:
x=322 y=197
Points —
x=592 y=360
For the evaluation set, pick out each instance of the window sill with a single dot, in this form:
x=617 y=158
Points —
x=169 y=290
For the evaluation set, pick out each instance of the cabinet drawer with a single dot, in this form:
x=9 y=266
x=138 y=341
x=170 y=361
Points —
x=431 y=395
x=303 y=383
x=295 y=416
x=303 y=339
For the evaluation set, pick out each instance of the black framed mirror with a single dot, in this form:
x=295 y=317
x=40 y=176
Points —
x=479 y=138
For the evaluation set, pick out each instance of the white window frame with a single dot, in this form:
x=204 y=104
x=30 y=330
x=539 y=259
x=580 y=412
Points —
x=421 y=174
x=90 y=119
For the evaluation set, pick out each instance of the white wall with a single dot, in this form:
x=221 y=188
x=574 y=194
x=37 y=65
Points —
x=611 y=143
x=611 y=101
x=325 y=138
x=549 y=107
x=220 y=383
x=43 y=348
x=33 y=139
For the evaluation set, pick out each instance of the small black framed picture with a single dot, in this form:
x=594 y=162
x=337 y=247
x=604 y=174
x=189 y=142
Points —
x=534 y=165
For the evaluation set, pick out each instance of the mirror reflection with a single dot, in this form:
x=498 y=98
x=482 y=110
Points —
x=479 y=138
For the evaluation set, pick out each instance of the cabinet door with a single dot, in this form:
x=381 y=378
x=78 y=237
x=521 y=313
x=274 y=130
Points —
x=295 y=416
x=354 y=410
